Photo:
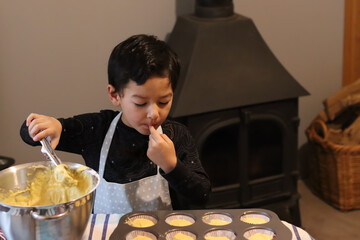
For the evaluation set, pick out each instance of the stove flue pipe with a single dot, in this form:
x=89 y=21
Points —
x=214 y=8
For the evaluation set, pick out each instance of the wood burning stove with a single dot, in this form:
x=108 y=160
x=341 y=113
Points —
x=250 y=155
x=241 y=106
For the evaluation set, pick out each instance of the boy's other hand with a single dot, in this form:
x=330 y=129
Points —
x=41 y=126
x=161 y=150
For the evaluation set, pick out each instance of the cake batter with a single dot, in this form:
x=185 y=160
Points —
x=140 y=222
x=254 y=220
x=260 y=236
x=218 y=222
x=181 y=236
x=50 y=186
x=180 y=223
x=216 y=238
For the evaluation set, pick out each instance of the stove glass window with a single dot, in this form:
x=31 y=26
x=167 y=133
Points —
x=219 y=156
x=265 y=141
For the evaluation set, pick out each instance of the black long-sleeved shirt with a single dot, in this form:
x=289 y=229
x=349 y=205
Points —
x=127 y=161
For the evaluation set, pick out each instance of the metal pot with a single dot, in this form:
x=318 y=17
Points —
x=65 y=221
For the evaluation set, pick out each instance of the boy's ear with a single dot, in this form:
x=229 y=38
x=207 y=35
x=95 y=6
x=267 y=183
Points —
x=113 y=95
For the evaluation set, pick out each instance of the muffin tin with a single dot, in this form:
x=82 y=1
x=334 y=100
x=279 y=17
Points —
x=233 y=224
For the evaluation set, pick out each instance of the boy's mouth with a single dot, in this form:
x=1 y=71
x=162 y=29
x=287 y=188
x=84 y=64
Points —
x=152 y=125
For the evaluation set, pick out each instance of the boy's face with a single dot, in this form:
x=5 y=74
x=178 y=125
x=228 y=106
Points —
x=146 y=105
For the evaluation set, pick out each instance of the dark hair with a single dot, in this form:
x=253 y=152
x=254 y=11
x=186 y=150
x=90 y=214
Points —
x=139 y=58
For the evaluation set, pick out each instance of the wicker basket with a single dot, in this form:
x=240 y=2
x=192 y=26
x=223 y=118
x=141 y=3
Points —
x=334 y=172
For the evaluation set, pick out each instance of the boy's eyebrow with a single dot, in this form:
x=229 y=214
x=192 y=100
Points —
x=142 y=97
x=167 y=95
x=138 y=96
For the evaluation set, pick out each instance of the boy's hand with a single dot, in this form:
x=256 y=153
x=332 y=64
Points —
x=41 y=126
x=161 y=150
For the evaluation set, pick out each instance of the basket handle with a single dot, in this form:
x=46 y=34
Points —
x=320 y=129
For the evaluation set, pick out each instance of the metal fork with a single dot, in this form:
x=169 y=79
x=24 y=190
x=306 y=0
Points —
x=48 y=152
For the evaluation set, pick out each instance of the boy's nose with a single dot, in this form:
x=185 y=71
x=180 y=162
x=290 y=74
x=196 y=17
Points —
x=153 y=112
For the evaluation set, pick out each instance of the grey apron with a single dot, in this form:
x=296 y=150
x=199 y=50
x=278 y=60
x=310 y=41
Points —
x=147 y=194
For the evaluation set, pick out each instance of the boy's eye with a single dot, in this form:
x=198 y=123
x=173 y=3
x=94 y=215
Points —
x=140 y=104
x=163 y=103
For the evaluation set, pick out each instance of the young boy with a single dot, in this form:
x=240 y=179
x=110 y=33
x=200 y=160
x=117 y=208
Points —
x=145 y=161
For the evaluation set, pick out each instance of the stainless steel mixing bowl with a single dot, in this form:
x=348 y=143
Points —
x=65 y=221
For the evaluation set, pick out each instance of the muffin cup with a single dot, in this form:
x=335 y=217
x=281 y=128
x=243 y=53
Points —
x=180 y=235
x=265 y=232
x=141 y=221
x=213 y=234
x=255 y=218
x=133 y=234
x=217 y=219
x=180 y=220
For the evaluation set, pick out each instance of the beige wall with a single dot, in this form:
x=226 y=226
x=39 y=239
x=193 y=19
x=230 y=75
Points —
x=53 y=54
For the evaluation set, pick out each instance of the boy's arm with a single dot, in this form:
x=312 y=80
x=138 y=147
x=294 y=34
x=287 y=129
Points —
x=78 y=132
x=192 y=186
x=188 y=179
